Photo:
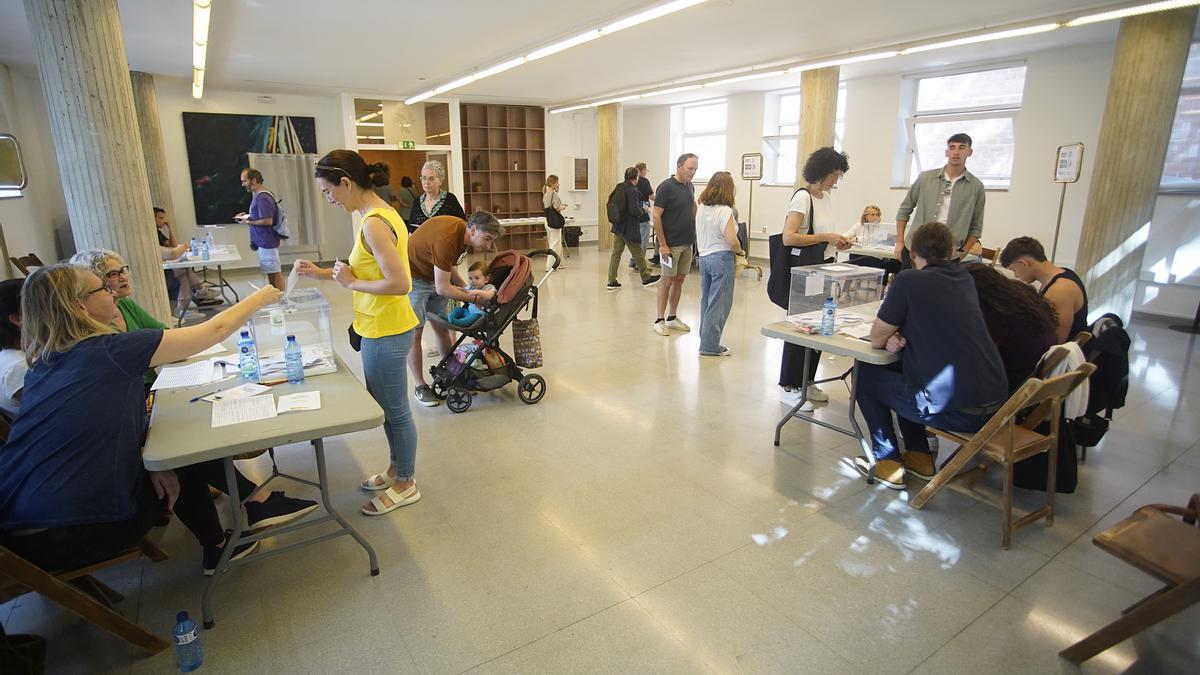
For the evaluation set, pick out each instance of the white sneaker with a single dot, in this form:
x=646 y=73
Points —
x=816 y=395
x=192 y=315
x=791 y=398
x=432 y=353
x=660 y=327
x=676 y=324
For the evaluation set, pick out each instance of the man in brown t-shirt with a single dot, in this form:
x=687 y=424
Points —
x=433 y=253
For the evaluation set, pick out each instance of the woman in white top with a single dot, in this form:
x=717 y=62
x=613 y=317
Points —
x=810 y=222
x=12 y=360
x=554 y=236
x=871 y=215
x=717 y=243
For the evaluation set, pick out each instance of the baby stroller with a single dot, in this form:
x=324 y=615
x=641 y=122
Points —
x=455 y=381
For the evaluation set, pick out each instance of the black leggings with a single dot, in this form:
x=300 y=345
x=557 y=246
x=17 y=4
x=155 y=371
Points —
x=791 y=370
x=63 y=548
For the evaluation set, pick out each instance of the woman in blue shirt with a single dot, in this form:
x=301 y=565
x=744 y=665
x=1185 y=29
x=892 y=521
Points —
x=73 y=490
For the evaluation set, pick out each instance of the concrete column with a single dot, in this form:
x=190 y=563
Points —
x=1143 y=92
x=609 y=171
x=818 y=114
x=85 y=79
x=145 y=101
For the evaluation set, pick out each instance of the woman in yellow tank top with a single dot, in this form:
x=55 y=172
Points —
x=378 y=275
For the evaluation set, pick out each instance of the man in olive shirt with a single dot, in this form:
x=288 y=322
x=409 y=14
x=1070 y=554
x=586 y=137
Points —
x=950 y=195
x=433 y=253
x=675 y=226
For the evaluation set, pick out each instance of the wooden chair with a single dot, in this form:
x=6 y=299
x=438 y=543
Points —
x=81 y=593
x=27 y=261
x=1162 y=547
x=1007 y=439
x=991 y=255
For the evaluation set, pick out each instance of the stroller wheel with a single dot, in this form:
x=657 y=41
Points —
x=531 y=388
x=458 y=400
x=439 y=389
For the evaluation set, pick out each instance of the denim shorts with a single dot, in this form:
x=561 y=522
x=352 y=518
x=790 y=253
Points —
x=268 y=260
x=424 y=298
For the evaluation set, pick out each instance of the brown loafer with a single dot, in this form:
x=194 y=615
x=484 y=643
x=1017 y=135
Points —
x=888 y=472
x=920 y=464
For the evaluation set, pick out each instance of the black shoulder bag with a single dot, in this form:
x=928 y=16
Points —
x=784 y=258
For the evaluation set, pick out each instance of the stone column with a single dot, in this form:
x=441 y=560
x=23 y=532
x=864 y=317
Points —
x=1143 y=92
x=145 y=101
x=85 y=79
x=818 y=114
x=609 y=171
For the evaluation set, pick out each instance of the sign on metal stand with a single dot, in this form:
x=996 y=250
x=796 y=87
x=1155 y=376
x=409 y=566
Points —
x=1068 y=163
x=751 y=171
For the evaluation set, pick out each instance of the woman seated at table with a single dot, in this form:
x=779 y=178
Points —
x=1019 y=321
x=264 y=509
x=73 y=490
x=12 y=359
x=871 y=215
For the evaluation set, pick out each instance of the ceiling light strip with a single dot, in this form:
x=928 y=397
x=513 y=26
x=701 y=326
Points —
x=200 y=19
x=574 y=41
x=1131 y=11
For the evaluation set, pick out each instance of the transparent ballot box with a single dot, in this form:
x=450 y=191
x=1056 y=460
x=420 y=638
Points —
x=220 y=234
x=878 y=235
x=305 y=314
x=850 y=285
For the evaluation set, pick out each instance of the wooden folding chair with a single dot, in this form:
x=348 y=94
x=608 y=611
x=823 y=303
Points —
x=25 y=262
x=1006 y=440
x=81 y=593
x=990 y=254
x=1162 y=547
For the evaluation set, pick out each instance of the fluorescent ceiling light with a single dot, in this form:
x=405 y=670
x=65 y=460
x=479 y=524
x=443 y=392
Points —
x=200 y=16
x=648 y=15
x=983 y=37
x=563 y=45
x=368 y=116
x=200 y=11
x=555 y=111
x=619 y=99
x=672 y=90
x=744 y=78
x=1132 y=11
x=370 y=138
x=197 y=82
x=507 y=65
x=418 y=98
x=842 y=62
x=369 y=124
x=199 y=51
x=460 y=82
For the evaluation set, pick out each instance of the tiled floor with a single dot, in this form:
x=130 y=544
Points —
x=639 y=519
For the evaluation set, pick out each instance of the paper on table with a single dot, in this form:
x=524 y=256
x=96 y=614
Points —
x=239 y=410
x=305 y=400
x=233 y=393
x=214 y=350
x=861 y=331
x=172 y=377
x=293 y=277
x=814 y=284
x=838 y=268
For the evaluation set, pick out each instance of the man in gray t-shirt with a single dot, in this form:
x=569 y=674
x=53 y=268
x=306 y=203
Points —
x=675 y=226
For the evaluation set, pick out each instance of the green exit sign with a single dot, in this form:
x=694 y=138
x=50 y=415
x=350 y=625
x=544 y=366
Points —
x=408 y=145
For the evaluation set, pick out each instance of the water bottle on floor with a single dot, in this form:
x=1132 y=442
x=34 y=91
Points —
x=294 y=358
x=248 y=357
x=187 y=644
x=828 y=313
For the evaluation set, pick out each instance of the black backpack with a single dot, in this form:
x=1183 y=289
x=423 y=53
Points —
x=616 y=200
x=1107 y=387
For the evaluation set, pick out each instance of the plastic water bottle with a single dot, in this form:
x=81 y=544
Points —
x=248 y=357
x=194 y=248
x=187 y=644
x=294 y=359
x=209 y=240
x=204 y=250
x=828 y=313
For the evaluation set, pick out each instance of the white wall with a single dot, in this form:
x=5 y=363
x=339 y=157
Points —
x=570 y=135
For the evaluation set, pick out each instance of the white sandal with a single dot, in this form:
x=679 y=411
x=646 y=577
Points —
x=380 y=481
x=399 y=499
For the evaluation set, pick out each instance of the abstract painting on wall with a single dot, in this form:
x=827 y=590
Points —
x=217 y=144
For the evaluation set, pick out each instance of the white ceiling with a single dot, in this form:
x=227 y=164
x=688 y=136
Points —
x=390 y=48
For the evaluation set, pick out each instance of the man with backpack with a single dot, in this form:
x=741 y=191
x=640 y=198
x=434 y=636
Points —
x=624 y=208
x=264 y=210
x=675 y=227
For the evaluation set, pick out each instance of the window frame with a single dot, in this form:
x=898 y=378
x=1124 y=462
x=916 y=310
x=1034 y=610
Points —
x=1193 y=187
x=682 y=135
x=772 y=102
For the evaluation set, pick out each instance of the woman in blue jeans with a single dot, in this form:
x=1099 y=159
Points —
x=717 y=242
x=377 y=272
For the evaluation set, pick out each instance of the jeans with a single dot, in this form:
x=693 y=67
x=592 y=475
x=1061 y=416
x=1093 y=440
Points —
x=716 y=298
x=883 y=390
x=385 y=368
x=614 y=261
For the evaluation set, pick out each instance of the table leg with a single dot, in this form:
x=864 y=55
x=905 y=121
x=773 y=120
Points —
x=319 y=449
x=223 y=284
x=862 y=441
x=803 y=398
x=235 y=517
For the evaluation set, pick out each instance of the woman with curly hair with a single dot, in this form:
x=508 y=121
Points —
x=1020 y=322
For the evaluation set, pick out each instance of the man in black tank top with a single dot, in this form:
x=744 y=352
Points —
x=1061 y=287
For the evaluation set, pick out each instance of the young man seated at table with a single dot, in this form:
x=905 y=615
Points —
x=950 y=375
x=1061 y=287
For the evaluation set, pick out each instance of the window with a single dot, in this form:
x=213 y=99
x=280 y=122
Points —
x=982 y=104
x=1181 y=171
x=781 y=128
x=702 y=132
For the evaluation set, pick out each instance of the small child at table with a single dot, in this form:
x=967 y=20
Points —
x=477 y=280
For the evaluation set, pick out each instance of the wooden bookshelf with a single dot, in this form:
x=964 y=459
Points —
x=504 y=159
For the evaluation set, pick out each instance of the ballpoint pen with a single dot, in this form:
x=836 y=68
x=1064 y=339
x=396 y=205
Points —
x=197 y=398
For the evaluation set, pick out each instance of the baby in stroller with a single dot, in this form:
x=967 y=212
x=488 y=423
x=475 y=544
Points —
x=477 y=280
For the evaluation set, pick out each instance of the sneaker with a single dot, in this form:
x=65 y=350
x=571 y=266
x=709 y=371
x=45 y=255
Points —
x=425 y=396
x=660 y=327
x=676 y=324
x=192 y=315
x=433 y=353
x=816 y=395
x=888 y=472
x=208 y=302
x=613 y=285
x=920 y=464
x=279 y=509
x=791 y=398
x=651 y=280
x=654 y=261
x=724 y=352
x=212 y=554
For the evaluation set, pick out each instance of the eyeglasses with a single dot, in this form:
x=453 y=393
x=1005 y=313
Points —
x=113 y=274
x=97 y=290
x=425 y=178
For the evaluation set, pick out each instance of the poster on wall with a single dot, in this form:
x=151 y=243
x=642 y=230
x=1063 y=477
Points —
x=217 y=144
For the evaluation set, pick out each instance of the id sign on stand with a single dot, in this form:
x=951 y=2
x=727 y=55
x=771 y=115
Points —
x=751 y=171
x=1068 y=163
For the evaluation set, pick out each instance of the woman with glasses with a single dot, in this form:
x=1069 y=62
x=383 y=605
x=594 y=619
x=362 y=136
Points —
x=73 y=490
x=434 y=200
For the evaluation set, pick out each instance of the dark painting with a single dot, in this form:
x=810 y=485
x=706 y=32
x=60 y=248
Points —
x=216 y=147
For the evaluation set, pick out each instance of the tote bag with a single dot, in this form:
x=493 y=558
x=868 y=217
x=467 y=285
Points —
x=784 y=258
x=527 y=340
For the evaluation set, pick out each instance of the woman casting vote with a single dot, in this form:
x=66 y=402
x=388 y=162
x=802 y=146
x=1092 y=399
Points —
x=73 y=490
